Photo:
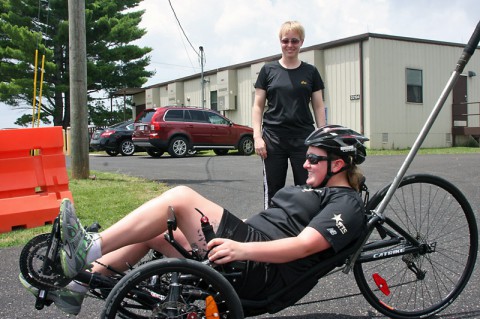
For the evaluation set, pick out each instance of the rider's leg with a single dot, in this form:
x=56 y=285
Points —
x=121 y=258
x=150 y=220
x=142 y=225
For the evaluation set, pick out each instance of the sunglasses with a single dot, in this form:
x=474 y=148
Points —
x=314 y=159
x=292 y=41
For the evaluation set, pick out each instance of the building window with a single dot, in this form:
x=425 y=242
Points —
x=414 y=86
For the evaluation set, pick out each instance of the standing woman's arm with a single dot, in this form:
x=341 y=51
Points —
x=318 y=108
x=257 y=116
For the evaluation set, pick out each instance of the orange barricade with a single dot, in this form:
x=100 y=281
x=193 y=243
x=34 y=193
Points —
x=33 y=177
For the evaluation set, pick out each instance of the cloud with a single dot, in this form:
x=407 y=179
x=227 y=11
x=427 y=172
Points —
x=234 y=31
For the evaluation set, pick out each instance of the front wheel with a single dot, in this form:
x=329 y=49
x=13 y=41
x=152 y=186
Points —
x=127 y=148
x=420 y=284
x=173 y=288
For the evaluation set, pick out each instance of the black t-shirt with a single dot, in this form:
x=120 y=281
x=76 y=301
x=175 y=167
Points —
x=289 y=92
x=335 y=212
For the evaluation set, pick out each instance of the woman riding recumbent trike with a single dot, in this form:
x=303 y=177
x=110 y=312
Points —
x=399 y=261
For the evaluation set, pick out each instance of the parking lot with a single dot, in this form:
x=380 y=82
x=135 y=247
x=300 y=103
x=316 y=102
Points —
x=235 y=182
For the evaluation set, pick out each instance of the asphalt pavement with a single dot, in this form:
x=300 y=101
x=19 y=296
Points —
x=234 y=182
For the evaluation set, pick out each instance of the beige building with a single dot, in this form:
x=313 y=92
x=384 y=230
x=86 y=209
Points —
x=383 y=86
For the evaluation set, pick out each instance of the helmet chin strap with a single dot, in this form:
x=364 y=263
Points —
x=330 y=173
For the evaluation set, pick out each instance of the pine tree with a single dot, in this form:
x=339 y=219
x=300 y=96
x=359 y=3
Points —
x=112 y=61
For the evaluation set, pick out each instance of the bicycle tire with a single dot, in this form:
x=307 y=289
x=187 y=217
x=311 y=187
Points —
x=438 y=213
x=142 y=293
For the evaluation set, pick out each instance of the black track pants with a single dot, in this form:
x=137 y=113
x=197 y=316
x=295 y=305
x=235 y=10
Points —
x=275 y=166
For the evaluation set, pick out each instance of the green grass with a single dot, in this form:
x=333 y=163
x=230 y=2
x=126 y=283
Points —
x=105 y=199
x=449 y=150
x=111 y=196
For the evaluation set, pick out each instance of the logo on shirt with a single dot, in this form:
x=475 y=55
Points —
x=303 y=82
x=332 y=231
x=339 y=223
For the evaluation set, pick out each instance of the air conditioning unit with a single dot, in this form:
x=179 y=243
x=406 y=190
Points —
x=226 y=90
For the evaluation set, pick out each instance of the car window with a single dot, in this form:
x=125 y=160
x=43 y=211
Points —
x=146 y=116
x=174 y=115
x=130 y=127
x=216 y=119
x=197 y=116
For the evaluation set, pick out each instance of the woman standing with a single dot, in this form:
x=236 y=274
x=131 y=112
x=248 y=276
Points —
x=287 y=86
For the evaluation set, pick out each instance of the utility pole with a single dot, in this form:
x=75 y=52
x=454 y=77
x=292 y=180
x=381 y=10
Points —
x=202 y=78
x=78 y=89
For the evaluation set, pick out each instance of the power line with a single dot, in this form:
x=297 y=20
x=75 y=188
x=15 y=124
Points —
x=178 y=21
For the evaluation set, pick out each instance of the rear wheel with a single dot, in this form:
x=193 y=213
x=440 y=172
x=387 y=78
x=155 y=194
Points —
x=178 y=147
x=246 y=147
x=173 y=288
x=127 y=148
x=414 y=285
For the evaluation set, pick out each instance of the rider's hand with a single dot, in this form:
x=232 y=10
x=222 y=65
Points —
x=223 y=250
x=260 y=148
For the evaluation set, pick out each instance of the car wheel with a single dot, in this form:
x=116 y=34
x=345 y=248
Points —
x=178 y=147
x=112 y=152
x=245 y=146
x=127 y=148
x=154 y=153
x=220 y=151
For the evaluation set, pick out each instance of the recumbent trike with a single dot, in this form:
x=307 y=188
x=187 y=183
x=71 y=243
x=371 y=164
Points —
x=415 y=257
x=414 y=264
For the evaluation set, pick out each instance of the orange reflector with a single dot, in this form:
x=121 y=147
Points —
x=381 y=284
x=211 y=309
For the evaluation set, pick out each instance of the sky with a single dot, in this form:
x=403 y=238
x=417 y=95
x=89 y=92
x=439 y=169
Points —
x=232 y=31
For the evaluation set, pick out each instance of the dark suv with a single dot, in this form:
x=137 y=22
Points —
x=183 y=130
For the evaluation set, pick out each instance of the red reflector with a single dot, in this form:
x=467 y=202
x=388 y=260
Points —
x=381 y=284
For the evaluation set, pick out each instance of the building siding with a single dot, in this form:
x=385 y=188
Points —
x=365 y=87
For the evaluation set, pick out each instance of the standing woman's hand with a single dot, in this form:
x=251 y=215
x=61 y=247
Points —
x=260 y=148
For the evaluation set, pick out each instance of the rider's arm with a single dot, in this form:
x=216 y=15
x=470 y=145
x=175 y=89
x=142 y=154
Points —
x=308 y=242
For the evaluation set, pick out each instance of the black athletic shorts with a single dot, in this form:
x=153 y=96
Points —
x=258 y=279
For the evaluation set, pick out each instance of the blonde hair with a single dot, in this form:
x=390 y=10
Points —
x=355 y=177
x=353 y=172
x=294 y=26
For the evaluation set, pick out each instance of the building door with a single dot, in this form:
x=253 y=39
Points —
x=459 y=107
x=459 y=95
x=213 y=100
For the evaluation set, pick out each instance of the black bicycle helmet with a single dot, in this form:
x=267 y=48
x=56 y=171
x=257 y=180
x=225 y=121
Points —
x=339 y=140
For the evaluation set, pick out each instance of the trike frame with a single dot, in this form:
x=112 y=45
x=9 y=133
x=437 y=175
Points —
x=410 y=252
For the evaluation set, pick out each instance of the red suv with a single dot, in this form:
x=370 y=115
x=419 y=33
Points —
x=181 y=130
